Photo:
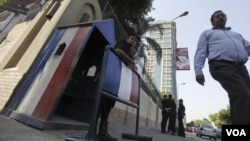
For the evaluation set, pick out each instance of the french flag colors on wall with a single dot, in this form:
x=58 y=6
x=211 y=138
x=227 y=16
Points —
x=43 y=85
x=121 y=81
x=46 y=79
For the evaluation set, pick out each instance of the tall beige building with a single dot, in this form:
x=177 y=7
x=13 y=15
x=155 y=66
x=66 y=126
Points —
x=163 y=72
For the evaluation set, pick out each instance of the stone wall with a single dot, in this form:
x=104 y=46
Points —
x=150 y=113
x=25 y=40
x=8 y=81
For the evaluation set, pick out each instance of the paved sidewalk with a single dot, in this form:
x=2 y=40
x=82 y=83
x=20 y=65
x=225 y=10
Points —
x=12 y=130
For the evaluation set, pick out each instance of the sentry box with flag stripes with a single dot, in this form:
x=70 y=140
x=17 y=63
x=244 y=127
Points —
x=77 y=65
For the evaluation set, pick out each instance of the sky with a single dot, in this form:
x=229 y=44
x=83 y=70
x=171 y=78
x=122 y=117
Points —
x=200 y=101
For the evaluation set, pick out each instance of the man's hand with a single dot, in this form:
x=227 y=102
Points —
x=167 y=109
x=132 y=66
x=200 y=79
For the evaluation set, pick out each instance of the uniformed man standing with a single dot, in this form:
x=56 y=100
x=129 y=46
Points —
x=181 y=114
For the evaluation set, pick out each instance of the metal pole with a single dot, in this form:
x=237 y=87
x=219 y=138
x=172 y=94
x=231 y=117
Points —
x=178 y=91
x=173 y=61
x=174 y=46
x=93 y=122
x=157 y=111
x=177 y=102
x=174 y=66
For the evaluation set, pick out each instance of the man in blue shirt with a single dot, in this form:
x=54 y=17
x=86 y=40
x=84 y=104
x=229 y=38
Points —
x=227 y=52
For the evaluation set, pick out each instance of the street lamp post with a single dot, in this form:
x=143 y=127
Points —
x=177 y=102
x=178 y=91
x=183 y=14
x=174 y=46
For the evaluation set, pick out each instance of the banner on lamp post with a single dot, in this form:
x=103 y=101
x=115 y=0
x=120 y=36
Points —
x=182 y=59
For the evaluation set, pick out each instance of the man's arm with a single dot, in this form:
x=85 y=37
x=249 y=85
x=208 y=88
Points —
x=200 y=57
x=126 y=58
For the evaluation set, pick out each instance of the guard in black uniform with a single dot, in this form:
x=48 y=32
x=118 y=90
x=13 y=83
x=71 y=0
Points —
x=125 y=49
x=172 y=118
x=181 y=114
x=165 y=113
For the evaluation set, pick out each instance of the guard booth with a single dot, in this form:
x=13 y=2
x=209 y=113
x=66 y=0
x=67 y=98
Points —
x=62 y=89
x=50 y=95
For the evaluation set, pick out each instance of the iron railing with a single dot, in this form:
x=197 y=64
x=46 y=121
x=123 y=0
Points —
x=107 y=13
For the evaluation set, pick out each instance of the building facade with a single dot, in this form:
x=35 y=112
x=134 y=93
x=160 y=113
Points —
x=26 y=38
x=162 y=72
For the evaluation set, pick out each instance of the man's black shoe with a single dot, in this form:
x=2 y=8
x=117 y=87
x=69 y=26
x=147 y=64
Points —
x=164 y=132
x=182 y=136
x=172 y=133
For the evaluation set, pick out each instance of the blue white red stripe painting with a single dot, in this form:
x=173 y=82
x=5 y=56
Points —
x=43 y=86
x=121 y=81
x=47 y=83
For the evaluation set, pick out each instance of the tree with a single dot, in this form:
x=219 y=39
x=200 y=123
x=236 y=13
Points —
x=191 y=124
x=2 y=2
x=130 y=11
x=195 y=123
x=199 y=121
x=141 y=28
x=221 y=118
x=132 y=15
x=164 y=93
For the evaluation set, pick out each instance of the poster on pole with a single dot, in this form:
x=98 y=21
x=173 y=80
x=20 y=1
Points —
x=182 y=60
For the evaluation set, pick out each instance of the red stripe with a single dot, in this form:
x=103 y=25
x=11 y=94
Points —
x=52 y=92
x=134 y=89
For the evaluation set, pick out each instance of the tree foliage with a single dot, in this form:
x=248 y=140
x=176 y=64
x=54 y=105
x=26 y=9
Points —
x=164 y=93
x=2 y=2
x=221 y=118
x=130 y=11
x=133 y=17
x=195 y=123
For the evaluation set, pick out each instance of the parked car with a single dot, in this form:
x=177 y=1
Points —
x=218 y=133
x=189 y=129
x=206 y=130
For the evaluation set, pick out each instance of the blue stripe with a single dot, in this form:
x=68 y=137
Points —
x=106 y=27
x=36 y=68
x=112 y=77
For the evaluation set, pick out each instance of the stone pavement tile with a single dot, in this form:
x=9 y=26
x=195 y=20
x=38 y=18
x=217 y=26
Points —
x=12 y=130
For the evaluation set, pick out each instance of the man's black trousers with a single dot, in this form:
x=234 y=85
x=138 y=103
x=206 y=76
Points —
x=234 y=78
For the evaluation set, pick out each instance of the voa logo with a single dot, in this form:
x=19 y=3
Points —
x=236 y=132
